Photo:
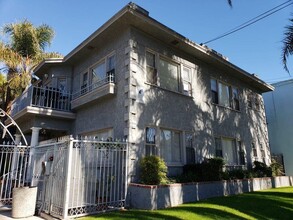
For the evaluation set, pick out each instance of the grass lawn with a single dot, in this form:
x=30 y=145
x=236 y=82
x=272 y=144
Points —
x=266 y=204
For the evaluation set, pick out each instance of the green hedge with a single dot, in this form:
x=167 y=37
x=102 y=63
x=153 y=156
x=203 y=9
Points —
x=153 y=170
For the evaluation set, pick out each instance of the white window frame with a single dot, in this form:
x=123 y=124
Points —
x=186 y=81
x=231 y=103
x=225 y=154
x=161 y=151
x=158 y=75
x=151 y=147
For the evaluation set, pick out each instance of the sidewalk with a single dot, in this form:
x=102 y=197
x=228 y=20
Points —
x=5 y=214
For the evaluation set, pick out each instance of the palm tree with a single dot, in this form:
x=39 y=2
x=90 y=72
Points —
x=287 y=44
x=24 y=51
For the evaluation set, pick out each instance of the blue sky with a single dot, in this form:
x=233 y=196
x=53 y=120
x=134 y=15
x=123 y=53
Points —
x=256 y=49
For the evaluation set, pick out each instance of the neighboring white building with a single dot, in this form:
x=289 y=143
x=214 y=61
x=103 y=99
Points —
x=279 y=109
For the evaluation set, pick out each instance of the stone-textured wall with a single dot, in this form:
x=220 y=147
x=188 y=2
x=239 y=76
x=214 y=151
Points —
x=163 y=196
x=162 y=108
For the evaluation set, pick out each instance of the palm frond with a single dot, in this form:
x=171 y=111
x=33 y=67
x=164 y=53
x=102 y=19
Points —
x=287 y=49
x=230 y=3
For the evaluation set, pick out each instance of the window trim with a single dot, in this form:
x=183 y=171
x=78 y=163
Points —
x=235 y=152
x=172 y=163
x=230 y=93
x=180 y=65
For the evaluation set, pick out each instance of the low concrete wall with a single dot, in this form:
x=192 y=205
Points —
x=152 y=197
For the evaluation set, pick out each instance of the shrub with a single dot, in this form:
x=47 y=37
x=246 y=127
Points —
x=153 y=170
x=209 y=170
x=261 y=169
x=277 y=168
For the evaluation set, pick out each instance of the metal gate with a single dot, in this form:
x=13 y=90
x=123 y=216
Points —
x=14 y=161
x=80 y=177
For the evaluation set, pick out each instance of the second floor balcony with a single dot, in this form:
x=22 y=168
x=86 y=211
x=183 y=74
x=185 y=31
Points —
x=53 y=101
x=45 y=98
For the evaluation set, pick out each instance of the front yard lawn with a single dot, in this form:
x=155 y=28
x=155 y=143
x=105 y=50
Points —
x=266 y=204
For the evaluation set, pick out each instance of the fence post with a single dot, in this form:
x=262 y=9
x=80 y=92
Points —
x=67 y=178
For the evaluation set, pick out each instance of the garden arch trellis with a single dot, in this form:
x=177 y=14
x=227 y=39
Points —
x=14 y=159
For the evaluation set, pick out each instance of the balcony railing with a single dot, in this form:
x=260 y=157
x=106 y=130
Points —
x=42 y=97
x=110 y=78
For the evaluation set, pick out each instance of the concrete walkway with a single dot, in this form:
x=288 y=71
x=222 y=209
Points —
x=5 y=214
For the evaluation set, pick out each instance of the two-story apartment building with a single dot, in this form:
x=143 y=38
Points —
x=135 y=78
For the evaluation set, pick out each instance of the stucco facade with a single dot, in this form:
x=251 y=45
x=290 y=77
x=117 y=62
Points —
x=166 y=94
x=280 y=123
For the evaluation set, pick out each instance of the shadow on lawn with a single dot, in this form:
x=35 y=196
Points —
x=260 y=205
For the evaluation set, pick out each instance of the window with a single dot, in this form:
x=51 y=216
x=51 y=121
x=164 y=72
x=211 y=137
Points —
x=190 y=152
x=186 y=80
x=150 y=142
x=262 y=151
x=225 y=95
x=235 y=98
x=84 y=83
x=214 y=89
x=62 y=86
x=254 y=101
x=219 y=152
x=151 y=68
x=170 y=146
x=169 y=75
x=241 y=153
x=103 y=72
x=98 y=73
x=254 y=150
x=226 y=148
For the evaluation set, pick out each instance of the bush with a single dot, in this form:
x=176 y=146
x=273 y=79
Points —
x=209 y=170
x=261 y=169
x=153 y=170
x=277 y=169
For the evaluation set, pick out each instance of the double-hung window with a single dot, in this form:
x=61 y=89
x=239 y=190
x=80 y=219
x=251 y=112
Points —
x=150 y=141
x=226 y=148
x=190 y=152
x=235 y=98
x=254 y=150
x=225 y=95
x=170 y=146
x=151 y=68
x=241 y=152
x=186 y=80
x=169 y=75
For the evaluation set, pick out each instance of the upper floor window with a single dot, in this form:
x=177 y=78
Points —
x=151 y=68
x=254 y=101
x=186 y=80
x=103 y=72
x=225 y=95
x=168 y=74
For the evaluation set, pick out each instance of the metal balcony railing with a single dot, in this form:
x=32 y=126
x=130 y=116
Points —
x=84 y=89
x=42 y=97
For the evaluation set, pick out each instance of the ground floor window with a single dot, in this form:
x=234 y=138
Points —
x=189 y=148
x=227 y=148
x=168 y=145
x=150 y=141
